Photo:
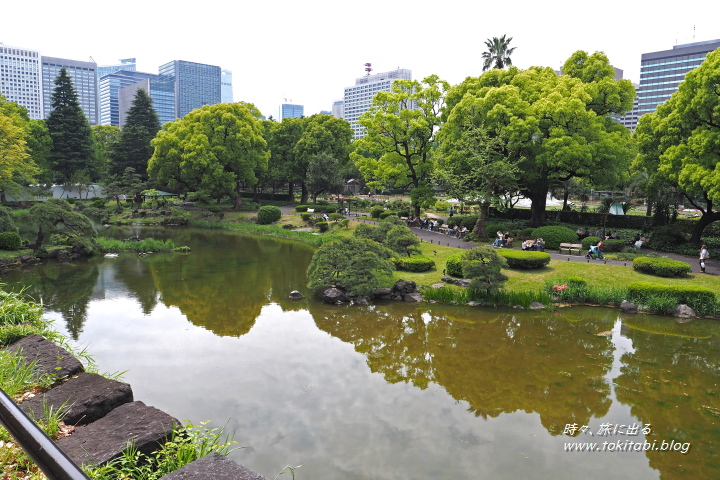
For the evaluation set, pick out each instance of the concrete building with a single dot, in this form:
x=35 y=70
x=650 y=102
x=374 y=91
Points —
x=21 y=78
x=110 y=86
x=84 y=79
x=160 y=89
x=289 y=110
x=226 y=88
x=196 y=84
x=358 y=98
x=337 y=109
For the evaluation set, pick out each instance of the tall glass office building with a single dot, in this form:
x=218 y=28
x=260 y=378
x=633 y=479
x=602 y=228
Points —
x=161 y=91
x=226 y=89
x=196 y=84
x=84 y=80
x=20 y=78
x=289 y=110
x=129 y=64
x=110 y=86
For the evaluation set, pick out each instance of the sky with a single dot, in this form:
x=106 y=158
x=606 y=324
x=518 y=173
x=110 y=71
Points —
x=307 y=52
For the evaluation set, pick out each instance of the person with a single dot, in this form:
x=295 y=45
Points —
x=704 y=255
x=325 y=217
x=505 y=238
x=599 y=234
x=540 y=244
x=528 y=245
x=600 y=246
x=586 y=233
x=462 y=231
x=579 y=233
x=498 y=240
x=451 y=211
x=638 y=243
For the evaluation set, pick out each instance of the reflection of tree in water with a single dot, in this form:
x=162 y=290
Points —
x=498 y=363
x=671 y=382
x=135 y=274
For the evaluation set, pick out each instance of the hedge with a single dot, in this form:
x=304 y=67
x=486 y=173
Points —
x=268 y=214
x=416 y=263
x=554 y=236
x=587 y=242
x=662 y=267
x=454 y=264
x=614 y=245
x=640 y=292
x=524 y=259
x=10 y=241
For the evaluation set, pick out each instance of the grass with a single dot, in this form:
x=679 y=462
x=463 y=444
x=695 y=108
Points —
x=145 y=245
x=273 y=230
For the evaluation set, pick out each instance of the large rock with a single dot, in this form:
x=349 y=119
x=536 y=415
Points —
x=383 y=293
x=628 y=307
x=413 y=297
x=536 y=306
x=461 y=282
x=106 y=439
x=334 y=296
x=684 y=311
x=86 y=398
x=447 y=279
x=437 y=285
x=215 y=467
x=49 y=358
x=295 y=295
x=403 y=287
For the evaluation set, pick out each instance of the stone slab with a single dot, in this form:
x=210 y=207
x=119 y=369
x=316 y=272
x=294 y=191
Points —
x=48 y=357
x=213 y=467
x=84 y=399
x=105 y=439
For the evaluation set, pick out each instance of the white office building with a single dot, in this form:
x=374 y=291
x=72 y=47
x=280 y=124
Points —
x=358 y=98
x=337 y=109
x=21 y=78
x=226 y=89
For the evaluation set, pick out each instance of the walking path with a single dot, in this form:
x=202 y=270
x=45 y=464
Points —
x=438 y=238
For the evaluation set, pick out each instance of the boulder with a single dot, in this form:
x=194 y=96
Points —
x=447 y=279
x=684 y=311
x=403 y=287
x=383 y=293
x=360 y=301
x=628 y=307
x=437 y=285
x=215 y=466
x=461 y=282
x=49 y=358
x=295 y=295
x=536 y=306
x=413 y=297
x=334 y=296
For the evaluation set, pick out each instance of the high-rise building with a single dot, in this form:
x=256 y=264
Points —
x=337 y=109
x=661 y=72
x=358 y=98
x=84 y=80
x=161 y=90
x=110 y=86
x=21 y=78
x=128 y=64
x=226 y=90
x=289 y=110
x=196 y=84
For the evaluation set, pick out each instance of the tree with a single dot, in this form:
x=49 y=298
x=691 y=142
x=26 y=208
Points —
x=17 y=170
x=678 y=143
x=130 y=184
x=498 y=53
x=105 y=137
x=401 y=127
x=402 y=240
x=133 y=148
x=549 y=124
x=324 y=176
x=72 y=142
x=216 y=149
x=78 y=231
x=482 y=265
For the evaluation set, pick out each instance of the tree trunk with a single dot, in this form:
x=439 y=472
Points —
x=40 y=239
x=707 y=218
x=538 y=197
x=416 y=211
x=291 y=193
x=480 y=230
x=238 y=202
x=303 y=194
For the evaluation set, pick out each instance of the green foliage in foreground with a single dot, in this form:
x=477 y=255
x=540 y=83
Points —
x=453 y=265
x=482 y=265
x=145 y=245
x=662 y=267
x=502 y=298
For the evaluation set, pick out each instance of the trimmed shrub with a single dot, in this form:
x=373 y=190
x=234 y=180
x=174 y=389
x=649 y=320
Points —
x=394 y=219
x=662 y=267
x=335 y=217
x=576 y=281
x=554 y=236
x=376 y=211
x=454 y=265
x=323 y=226
x=306 y=216
x=10 y=241
x=525 y=260
x=612 y=245
x=587 y=242
x=268 y=214
x=383 y=215
x=416 y=263
x=370 y=232
x=641 y=292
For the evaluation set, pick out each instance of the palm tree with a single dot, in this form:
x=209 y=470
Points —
x=498 y=53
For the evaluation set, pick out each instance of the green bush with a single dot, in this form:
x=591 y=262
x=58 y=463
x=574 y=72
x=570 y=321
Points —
x=612 y=245
x=323 y=226
x=698 y=298
x=587 y=242
x=268 y=214
x=525 y=260
x=454 y=265
x=306 y=216
x=416 y=263
x=376 y=211
x=394 y=219
x=662 y=267
x=554 y=236
x=335 y=217
x=370 y=232
x=10 y=241
x=384 y=214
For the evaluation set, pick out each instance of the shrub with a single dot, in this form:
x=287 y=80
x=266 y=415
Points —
x=10 y=241
x=554 y=236
x=416 y=263
x=376 y=211
x=323 y=226
x=454 y=264
x=345 y=222
x=288 y=226
x=385 y=214
x=587 y=242
x=525 y=260
x=306 y=216
x=698 y=298
x=402 y=240
x=612 y=245
x=394 y=219
x=268 y=214
x=370 y=232
x=335 y=217
x=669 y=236
x=482 y=265
x=662 y=267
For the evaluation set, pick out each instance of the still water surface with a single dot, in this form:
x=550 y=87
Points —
x=391 y=391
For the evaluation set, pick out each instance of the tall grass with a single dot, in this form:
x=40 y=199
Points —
x=458 y=295
x=274 y=230
x=145 y=245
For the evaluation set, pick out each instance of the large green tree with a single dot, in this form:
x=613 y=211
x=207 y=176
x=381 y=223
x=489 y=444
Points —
x=218 y=149
x=133 y=148
x=498 y=53
x=555 y=127
x=281 y=138
x=324 y=176
x=680 y=142
x=39 y=145
x=105 y=137
x=401 y=126
x=17 y=169
x=69 y=129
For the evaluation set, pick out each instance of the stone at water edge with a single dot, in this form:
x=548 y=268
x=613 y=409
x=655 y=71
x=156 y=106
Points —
x=536 y=306
x=334 y=295
x=295 y=295
x=413 y=297
x=628 y=307
x=684 y=311
x=437 y=285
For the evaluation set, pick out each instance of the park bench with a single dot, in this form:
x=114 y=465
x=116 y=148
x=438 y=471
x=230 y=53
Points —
x=571 y=247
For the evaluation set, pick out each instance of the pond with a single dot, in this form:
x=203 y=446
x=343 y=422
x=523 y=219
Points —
x=395 y=390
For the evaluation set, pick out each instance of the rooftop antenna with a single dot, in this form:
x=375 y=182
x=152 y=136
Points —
x=368 y=69
x=693 y=33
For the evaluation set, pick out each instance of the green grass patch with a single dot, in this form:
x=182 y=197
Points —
x=146 y=245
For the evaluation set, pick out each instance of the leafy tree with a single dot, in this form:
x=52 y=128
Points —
x=351 y=264
x=498 y=53
x=39 y=145
x=81 y=182
x=678 y=143
x=7 y=223
x=106 y=137
x=323 y=176
x=130 y=184
x=16 y=168
x=72 y=142
x=78 y=231
x=279 y=172
x=133 y=148
x=215 y=149
x=402 y=240
x=401 y=127
x=482 y=265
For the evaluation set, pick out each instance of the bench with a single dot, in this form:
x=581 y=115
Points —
x=571 y=247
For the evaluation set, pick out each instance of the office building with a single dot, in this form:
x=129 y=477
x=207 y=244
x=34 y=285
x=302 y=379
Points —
x=110 y=86
x=289 y=110
x=84 y=80
x=161 y=90
x=21 y=78
x=337 y=109
x=196 y=84
x=661 y=72
x=226 y=90
x=358 y=98
x=128 y=64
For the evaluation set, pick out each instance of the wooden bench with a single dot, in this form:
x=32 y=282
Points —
x=571 y=247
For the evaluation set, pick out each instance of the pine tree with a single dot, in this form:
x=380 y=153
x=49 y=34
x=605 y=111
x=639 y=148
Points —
x=133 y=149
x=69 y=129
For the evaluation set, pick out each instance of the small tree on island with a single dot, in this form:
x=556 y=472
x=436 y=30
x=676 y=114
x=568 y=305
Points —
x=78 y=231
x=482 y=265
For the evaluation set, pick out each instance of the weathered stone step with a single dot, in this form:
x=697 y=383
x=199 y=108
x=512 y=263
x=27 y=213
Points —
x=213 y=467
x=106 y=439
x=50 y=359
x=83 y=399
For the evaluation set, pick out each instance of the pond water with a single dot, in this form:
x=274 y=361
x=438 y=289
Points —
x=389 y=391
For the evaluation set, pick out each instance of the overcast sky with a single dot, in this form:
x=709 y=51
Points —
x=309 y=51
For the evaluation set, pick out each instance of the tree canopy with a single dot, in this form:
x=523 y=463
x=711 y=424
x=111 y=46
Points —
x=17 y=169
x=498 y=53
x=133 y=148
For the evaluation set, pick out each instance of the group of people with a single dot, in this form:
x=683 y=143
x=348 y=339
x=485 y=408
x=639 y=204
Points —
x=502 y=239
x=598 y=233
x=537 y=245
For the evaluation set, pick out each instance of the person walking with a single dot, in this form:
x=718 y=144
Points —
x=704 y=255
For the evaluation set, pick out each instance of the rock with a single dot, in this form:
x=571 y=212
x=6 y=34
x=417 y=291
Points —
x=437 y=285
x=334 y=296
x=536 y=306
x=403 y=287
x=461 y=282
x=25 y=258
x=518 y=307
x=383 y=293
x=295 y=295
x=360 y=301
x=413 y=297
x=48 y=357
x=473 y=303
x=447 y=279
x=628 y=307
x=214 y=466
x=86 y=398
x=106 y=439
x=684 y=311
